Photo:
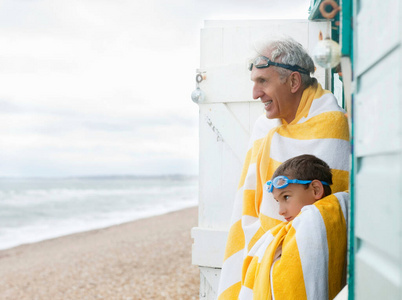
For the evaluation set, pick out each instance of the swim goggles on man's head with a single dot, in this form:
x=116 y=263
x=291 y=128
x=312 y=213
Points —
x=262 y=62
x=280 y=182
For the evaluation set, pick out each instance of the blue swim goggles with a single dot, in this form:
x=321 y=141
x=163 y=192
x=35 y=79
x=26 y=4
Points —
x=262 y=62
x=281 y=182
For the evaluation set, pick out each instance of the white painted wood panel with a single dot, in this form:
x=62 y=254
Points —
x=377 y=113
x=211 y=56
x=211 y=196
x=378 y=210
x=209 y=284
x=229 y=83
x=378 y=276
x=378 y=108
x=377 y=31
x=207 y=251
x=225 y=130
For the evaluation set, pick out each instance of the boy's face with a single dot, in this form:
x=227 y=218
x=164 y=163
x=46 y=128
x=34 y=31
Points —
x=292 y=198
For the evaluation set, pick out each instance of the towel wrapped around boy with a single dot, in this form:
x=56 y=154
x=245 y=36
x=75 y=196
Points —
x=267 y=257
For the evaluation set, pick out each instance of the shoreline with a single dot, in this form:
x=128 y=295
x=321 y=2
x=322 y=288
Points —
x=147 y=258
x=51 y=237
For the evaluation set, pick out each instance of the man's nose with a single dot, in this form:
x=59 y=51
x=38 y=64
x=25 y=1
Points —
x=257 y=92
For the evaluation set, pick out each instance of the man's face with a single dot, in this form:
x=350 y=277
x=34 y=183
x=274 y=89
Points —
x=292 y=198
x=274 y=94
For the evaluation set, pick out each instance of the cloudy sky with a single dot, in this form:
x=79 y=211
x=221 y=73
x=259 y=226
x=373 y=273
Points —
x=102 y=87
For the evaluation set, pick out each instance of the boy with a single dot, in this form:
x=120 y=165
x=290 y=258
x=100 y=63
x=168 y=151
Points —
x=299 y=181
x=304 y=258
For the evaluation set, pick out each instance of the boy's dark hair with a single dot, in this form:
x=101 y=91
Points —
x=306 y=167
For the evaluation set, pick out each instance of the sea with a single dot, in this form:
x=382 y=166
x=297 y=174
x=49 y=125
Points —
x=36 y=209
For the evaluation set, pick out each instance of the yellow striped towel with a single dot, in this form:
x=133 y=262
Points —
x=319 y=128
x=302 y=259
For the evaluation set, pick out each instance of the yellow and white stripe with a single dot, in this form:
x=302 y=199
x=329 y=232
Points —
x=320 y=128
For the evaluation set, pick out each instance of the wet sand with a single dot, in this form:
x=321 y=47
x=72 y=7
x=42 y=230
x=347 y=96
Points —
x=143 y=259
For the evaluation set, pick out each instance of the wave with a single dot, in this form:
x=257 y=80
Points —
x=31 y=212
x=43 y=230
x=34 y=197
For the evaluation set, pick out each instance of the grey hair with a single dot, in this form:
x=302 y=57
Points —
x=288 y=51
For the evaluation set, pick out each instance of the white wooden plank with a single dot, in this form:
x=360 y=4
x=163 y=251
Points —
x=297 y=29
x=227 y=83
x=211 y=195
x=377 y=215
x=222 y=150
x=378 y=108
x=376 y=32
x=241 y=39
x=238 y=109
x=377 y=276
x=252 y=23
x=211 y=47
x=256 y=110
x=209 y=283
x=236 y=45
x=208 y=247
x=227 y=127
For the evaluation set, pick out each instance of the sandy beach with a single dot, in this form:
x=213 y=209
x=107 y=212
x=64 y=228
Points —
x=143 y=259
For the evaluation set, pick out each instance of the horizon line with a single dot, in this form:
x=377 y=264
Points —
x=116 y=176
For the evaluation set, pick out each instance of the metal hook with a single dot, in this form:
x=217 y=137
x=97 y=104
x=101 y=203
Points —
x=199 y=78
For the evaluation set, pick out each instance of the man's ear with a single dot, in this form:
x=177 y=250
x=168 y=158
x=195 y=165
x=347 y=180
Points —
x=295 y=82
x=318 y=189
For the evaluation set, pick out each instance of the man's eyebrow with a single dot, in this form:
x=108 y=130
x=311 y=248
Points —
x=257 y=78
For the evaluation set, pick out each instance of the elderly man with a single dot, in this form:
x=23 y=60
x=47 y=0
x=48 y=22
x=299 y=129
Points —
x=263 y=258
